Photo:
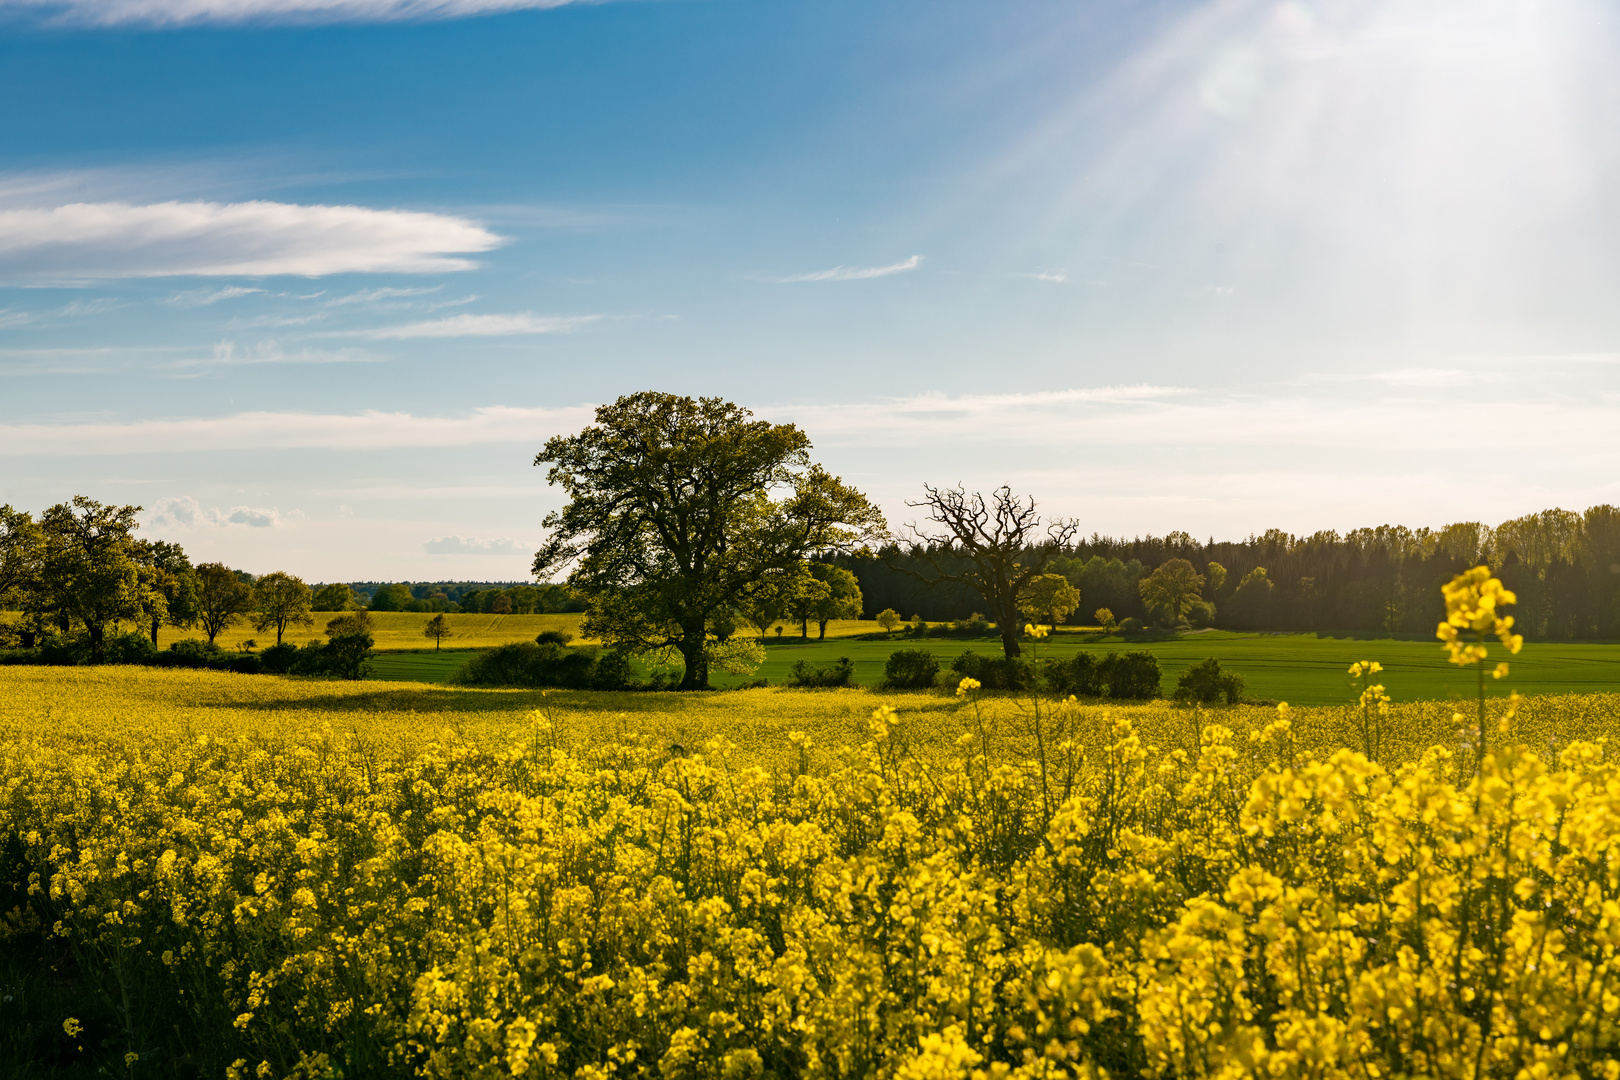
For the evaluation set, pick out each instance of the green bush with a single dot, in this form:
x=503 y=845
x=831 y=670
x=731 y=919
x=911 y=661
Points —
x=532 y=664
x=995 y=672
x=1131 y=625
x=840 y=672
x=1206 y=682
x=553 y=637
x=910 y=669
x=1130 y=675
x=1080 y=675
x=278 y=659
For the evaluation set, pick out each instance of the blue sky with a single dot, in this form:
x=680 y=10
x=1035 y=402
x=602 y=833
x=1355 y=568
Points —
x=312 y=280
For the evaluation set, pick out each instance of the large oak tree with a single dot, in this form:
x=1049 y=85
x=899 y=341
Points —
x=677 y=507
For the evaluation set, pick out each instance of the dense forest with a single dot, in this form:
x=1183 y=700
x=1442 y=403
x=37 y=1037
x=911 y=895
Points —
x=1564 y=566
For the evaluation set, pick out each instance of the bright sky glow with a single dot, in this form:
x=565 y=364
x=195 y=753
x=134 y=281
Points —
x=312 y=280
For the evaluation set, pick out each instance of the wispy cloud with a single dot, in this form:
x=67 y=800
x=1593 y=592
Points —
x=456 y=545
x=291 y=430
x=856 y=273
x=168 y=359
x=475 y=326
x=227 y=354
x=120 y=240
x=371 y=296
x=187 y=12
x=1055 y=277
x=204 y=297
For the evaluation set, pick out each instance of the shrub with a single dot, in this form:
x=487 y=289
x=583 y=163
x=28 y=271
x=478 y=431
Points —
x=195 y=653
x=344 y=656
x=1130 y=675
x=1080 y=675
x=1130 y=625
x=278 y=659
x=994 y=672
x=889 y=619
x=973 y=624
x=1206 y=682
x=840 y=673
x=553 y=637
x=910 y=669
x=526 y=663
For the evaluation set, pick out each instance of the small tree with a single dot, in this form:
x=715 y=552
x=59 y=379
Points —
x=170 y=585
x=501 y=606
x=390 y=598
x=438 y=628
x=222 y=598
x=1169 y=592
x=1049 y=598
x=1205 y=682
x=889 y=619
x=87 y=571
x=841 y=598
x=1105 y=619
x=280 y=600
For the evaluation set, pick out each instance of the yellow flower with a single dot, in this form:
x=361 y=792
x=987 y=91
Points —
x=967 y=686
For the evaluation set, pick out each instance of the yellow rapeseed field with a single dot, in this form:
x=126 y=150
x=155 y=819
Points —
x=262 y=877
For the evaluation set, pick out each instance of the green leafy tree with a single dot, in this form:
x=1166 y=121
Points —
x=334 y=597
x=169 y=586
x=21 y=551
x=280 y=600
x=889 y=619
x=1215 y=573
x=1105 y=619
x=675 y=507
x=771 y=597
x=390 y=598
x=995 y=548
x=1049 y=598
x=1170 y=591
x=839 y=598
x=88 y=574
x=222 y=598
x=438 y=628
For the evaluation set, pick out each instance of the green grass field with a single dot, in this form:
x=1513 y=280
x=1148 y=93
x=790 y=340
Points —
x=1303 y=669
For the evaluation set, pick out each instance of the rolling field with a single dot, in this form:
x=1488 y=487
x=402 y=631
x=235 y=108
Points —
x=208 y=874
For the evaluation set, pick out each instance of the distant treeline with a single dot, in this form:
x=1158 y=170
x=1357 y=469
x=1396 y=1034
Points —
x=1564 y=566
x=483 y=597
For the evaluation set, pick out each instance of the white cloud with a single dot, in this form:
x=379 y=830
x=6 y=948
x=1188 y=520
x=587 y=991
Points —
x=1056 y=277
x=184 y=12
x=226 y=354
x=456 y=545
x=283 y=431
x=856 y=273
x=116 y=239
x=204 y=297
x=184 y=512
x=476 y=326
x=371 y=296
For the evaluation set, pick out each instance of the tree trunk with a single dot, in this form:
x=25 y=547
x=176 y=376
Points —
x=823 y=634
x=696 y=676
x=154 y=632
x=98 y=639
x=1007 y=623
x=804 y=629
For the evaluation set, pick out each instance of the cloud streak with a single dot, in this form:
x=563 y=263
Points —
x=855 y=273
x=191 y=12
x=209 y=239
x=184 y=512
x=456 y=326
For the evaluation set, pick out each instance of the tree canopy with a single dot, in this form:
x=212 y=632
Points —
x=676 y=507
x=1171 y=591
x=87 y=569
x=280 y=600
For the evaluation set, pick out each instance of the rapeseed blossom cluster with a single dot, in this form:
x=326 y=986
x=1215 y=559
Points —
x=1143 y=892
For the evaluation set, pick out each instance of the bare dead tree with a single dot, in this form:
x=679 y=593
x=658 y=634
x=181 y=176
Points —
x=1000 y=542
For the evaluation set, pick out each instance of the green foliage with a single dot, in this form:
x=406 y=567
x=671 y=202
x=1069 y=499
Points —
x=545 y=665
x=889 y=619
x=222 y=598
x=335 y=597
x=840 y=672
x=910 y=669
x=1130 y=675
x=1205 y=682
x=87 y=573
x=1105 y=619
x=280 y=600
x=1170 y=592
x=1049 y=598
x=995 y=672
x=553 y=637
x=391 y=598
x=671 y=519
x=1253 y=603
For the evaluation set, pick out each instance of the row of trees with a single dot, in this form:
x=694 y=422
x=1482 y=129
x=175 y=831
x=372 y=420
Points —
x=80 y=569
x=1564 y=567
